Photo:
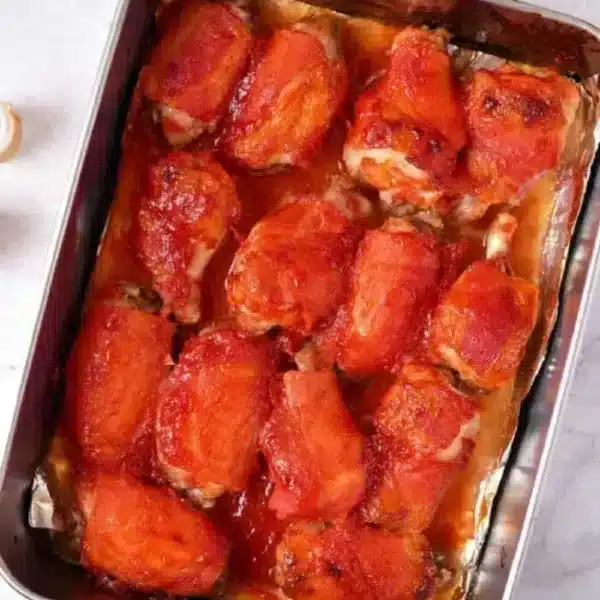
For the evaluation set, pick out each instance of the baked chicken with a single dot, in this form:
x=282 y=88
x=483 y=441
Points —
x=118 y=361
x=195 y=67
x=147 y=538
x=482 y=325
x=211 y=411
x=518 y=123
x=313 y=449
x=292 y=270
x=425 y=432
x=401 y=142
x=349 y=561
x=187 y=211
x=296 y=85
x=394 y=287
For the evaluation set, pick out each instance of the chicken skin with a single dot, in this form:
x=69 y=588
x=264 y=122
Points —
x=194 y=69
x=313 y=449
x=394 y=286
x=190 y=205
x=292 y=270
x=401 y=142
x=482 y=325
x=518 y=123
x=149 y=539
x=353 y=562
x=295 y=87
x=425 y=432
x=211 y=411
x=115 y=368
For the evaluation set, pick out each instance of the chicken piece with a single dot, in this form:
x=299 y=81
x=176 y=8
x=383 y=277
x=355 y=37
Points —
x=394 y=287
x=409 y=126
x=294 y=89
x=404 y=493
x=292 y=270
x=190 y=205
x=149 y=539
x=352 y=562
x=115 y=368
x=313 y=449
x=426 y=431
x=211 y=411
x=425 y=415
x=195 y=67
x=518 y=123
x=482 y=325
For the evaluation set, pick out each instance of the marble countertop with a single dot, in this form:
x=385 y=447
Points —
x=51 y=51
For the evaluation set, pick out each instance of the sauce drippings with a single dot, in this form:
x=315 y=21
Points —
x=253 y=529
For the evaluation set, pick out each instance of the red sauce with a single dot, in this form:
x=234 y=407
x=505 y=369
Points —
x=253 y=529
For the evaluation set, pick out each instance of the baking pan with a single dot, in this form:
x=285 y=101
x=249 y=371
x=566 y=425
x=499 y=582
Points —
x=26 y=560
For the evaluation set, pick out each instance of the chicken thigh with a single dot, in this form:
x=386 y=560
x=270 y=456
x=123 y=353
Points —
x=482 y=325
x=313 y=449
x=295 y=87
x=518 y=123
x=409 y=126
x=211 y=411
x=425 y=432
x=190 y=205
x=348 y=561
x=148 y=538
x=118 y=361
x=394 y=287
x=195 y=67
x=292 y=270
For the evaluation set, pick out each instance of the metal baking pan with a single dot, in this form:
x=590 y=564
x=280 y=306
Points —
x=26 y=561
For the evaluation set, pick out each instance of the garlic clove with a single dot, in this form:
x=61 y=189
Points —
x=10 y=132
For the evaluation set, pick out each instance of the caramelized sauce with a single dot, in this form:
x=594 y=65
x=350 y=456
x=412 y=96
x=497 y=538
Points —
x=253 y=529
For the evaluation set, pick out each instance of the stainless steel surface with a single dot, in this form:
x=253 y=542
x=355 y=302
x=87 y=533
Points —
x=28 y=563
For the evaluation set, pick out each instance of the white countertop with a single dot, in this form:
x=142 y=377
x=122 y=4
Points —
x=50 y=54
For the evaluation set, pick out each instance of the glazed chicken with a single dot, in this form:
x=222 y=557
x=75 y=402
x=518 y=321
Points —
x=313 y=449
x=118 y=361
x=296 y=85
x=189 y=207
x=518 y=123
x=401 y=142
x=292 y=270
x=394 y=286
x=195 y=67
x=425 y=432
x=149 y=539
x=211 y=411
x=353 y=562
x=484 y=322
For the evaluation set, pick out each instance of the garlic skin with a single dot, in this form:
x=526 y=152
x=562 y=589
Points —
x=10 y=132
